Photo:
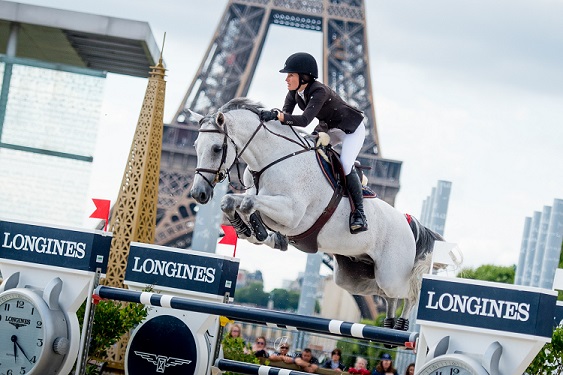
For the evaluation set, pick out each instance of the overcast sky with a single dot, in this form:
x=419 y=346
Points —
x=465 y=91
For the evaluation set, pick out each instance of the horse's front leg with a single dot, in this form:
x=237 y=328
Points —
x=278 y=208
x=228 y=206
x=275 y=240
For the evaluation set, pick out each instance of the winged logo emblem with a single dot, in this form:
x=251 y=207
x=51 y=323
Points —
x=162 y=361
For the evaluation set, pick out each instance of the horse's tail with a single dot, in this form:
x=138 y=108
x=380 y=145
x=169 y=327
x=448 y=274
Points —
x=424 y=239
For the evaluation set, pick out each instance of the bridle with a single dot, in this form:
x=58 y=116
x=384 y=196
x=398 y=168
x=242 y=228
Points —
x=221 y=173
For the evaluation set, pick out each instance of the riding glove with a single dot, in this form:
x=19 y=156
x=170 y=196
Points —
x=269 y=115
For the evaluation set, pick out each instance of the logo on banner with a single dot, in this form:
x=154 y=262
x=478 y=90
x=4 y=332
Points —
x=464 y=304
x=174 y=269
x=43 y=245
x=166 y=342
x=162 y=361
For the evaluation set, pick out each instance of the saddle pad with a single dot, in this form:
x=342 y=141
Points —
x=334 y=178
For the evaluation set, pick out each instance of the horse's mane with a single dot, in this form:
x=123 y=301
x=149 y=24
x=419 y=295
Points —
x=242 y=103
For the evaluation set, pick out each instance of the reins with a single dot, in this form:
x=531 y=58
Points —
x=221 y=174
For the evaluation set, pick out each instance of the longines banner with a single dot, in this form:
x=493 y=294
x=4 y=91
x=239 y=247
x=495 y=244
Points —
x=54 y=246
x=181 y=269
x=507 y=308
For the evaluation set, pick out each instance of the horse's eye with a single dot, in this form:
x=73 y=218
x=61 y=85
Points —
x=216 y=148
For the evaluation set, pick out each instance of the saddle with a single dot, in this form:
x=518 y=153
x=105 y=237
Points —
x=334 y=173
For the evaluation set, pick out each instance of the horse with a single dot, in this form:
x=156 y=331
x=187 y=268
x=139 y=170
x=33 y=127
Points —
x=289 y=195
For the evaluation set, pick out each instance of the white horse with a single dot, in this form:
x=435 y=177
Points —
x=291 y=193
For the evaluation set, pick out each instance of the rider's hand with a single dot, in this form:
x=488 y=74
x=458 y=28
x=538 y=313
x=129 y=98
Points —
x=323 y=139
x=269 y=115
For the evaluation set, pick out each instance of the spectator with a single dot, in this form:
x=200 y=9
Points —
x=235 y=331
x=233 y=344
x=283 y=355
x=259 y=347
x=360 y=367
x=307 y=361
x=334 y=362
x=410 y=369
x=385 y=366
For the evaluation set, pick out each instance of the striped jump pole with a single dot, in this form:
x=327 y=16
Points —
x=266 y=317
x=252 y=369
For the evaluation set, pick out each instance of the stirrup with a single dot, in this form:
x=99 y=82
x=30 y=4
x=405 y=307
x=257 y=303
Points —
x=358 y=222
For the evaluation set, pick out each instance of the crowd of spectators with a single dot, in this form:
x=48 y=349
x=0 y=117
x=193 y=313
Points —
x=306 y=361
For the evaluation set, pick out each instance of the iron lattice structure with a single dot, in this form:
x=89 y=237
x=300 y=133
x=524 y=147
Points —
x=134 y=214
x=226 y=72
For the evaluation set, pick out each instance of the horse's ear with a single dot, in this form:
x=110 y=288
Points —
x=220 y=119
x=195 y=115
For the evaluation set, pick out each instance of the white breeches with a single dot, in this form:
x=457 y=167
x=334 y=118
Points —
x=351 y=145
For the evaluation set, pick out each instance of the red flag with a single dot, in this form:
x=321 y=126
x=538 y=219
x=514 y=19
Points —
x=230 y=237
x=102 y=210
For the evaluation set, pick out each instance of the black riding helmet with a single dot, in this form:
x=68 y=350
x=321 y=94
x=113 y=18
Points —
x=302 y=63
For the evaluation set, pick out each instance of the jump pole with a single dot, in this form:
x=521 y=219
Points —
x=265 y=317
x=252 y=369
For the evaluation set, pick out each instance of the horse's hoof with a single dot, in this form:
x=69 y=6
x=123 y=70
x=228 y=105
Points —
x=401 y=324
x=228 y=205
x=280 y=241
x=247 y=205
x=389 y=323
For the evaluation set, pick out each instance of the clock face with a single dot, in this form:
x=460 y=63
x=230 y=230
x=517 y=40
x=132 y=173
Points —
x=22 y=334
x=454 y=364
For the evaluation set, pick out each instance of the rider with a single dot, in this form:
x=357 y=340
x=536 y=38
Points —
x=343 y=122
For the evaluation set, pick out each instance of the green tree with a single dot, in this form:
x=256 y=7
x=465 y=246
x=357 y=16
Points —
x=285 y=299
x=253 y=293
x=550 y=359
x=489 y=272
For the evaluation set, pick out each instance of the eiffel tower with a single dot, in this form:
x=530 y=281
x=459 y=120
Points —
x=226 y=72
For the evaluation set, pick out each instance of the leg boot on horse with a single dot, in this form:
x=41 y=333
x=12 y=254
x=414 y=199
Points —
x=358 y=222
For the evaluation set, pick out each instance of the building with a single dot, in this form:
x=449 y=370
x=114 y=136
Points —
x=53 y=65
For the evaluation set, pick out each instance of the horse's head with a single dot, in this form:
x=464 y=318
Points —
x=215 y=151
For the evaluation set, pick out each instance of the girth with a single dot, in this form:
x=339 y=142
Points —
x=307 y=241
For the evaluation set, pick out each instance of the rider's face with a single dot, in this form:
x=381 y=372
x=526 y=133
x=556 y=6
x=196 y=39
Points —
x=292 y=81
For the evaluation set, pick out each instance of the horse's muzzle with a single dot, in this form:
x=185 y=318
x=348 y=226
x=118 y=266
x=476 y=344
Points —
x=201 y=193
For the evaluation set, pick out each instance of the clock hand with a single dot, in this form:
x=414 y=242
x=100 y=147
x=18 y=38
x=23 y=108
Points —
x=25 y=355
x=14 y=339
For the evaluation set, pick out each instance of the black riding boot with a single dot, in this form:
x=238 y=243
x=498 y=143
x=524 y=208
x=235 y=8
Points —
x=358 y=222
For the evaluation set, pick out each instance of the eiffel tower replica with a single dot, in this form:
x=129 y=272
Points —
x=226 y=72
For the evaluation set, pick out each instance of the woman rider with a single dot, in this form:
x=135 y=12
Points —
x=343 y=122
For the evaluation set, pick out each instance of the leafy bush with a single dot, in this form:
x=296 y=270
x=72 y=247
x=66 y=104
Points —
x=112 y=319
x=236 y=349
x=550 y=358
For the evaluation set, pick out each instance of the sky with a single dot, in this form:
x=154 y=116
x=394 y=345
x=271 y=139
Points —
x=464 y=91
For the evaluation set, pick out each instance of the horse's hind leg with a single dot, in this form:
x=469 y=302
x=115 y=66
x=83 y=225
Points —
x=390 y=311
x=402 y=324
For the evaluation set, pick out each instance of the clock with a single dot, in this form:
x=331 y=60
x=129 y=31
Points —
x=33 y=330
x=452 y=364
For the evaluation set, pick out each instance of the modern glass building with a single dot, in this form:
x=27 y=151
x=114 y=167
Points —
x=48 y=131
x=53 y=65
